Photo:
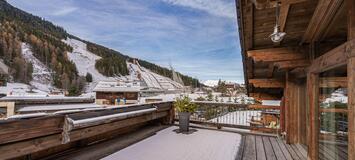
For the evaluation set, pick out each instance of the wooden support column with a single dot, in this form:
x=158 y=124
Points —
x=351 y=77
x=282 y=115
x=10 y=108
x=351 y=108
x=291 y=110
x=313 y=129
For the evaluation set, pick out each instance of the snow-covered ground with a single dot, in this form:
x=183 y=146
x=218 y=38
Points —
x=42 y=79
x=167 y=144
x=20 y=89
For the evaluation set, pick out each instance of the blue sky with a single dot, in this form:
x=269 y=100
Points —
x=198 y=37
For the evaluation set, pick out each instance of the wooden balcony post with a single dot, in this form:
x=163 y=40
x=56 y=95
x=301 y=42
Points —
x=351 y=77
x=351 y=108
x=313 y=92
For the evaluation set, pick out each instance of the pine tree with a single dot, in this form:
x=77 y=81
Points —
x=88 y=77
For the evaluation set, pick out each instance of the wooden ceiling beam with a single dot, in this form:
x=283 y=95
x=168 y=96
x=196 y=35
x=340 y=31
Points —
x=263 y=96
x=333 y=82
x=287 y=65
x=264 y=4
x=334 y=58
x=324 y=13
x=267 y=83
x=275 y=54
x=300 y=72
x=270 y=71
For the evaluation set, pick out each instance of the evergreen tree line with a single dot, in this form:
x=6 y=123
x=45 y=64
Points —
x=11 y=54
x=112 y=63
x=45 y=41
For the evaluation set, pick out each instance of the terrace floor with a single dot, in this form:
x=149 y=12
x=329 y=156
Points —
x=270 y=148
x=164 y=142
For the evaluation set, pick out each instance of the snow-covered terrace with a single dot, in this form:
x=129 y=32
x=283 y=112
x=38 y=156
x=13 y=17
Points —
x=200 y=144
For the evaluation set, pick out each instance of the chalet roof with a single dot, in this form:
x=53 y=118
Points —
x=113 y=86
x=307 y=26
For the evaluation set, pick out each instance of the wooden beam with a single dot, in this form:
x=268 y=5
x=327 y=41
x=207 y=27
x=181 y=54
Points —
x=263 y=96
x=286 y=65
x=17 y=130
x=10 y=108
x=264 y=4
x=351 y=77
x=275 y=54
x=249 y=25
x=334 y=22
x=300 y=72
x=333 y=82
x=285 y=7
x=334 y=58
x=291 y=110
x=259 y=106
x=270 y=72
x=351 y=106
x=322 y=17
x=313 y=103
x=267 y=83
x=333 y=110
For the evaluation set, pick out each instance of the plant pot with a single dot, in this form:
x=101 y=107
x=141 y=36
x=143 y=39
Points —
x=184 y=120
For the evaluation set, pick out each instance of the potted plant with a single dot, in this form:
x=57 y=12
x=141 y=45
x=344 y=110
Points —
x=184 y=107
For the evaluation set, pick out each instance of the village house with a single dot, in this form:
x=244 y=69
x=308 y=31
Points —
x=117 y=93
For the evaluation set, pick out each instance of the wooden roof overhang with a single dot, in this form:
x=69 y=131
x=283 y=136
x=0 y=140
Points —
x=313 y=28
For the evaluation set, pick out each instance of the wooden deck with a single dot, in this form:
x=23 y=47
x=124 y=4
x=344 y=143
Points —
x=256 y=147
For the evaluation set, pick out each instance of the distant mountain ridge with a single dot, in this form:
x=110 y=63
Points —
x=46 y=42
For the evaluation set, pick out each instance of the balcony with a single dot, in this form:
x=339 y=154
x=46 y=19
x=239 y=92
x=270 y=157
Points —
x=148 y=131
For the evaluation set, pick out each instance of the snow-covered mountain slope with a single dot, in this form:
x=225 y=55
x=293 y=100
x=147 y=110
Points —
x=85 y=60
x=153 y=80
x=42 y=79
x=85 y=63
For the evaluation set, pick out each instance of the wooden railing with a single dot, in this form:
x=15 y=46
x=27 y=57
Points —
x=253 y=117
x=49 y=134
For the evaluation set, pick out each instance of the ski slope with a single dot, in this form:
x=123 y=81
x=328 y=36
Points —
x=153 y=80
x=85 y=60
x=42 y=79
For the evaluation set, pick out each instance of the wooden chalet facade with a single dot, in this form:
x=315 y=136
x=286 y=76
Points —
x=306 y=70
x=115 y=93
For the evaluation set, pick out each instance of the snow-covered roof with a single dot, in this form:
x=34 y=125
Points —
x=114 y=86
x=3 y=68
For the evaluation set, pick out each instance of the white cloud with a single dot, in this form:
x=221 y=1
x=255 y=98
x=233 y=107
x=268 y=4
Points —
x=64 y=11
x=214 y=7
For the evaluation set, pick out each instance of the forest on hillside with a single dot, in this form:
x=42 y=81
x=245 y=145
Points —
x=45 y=39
